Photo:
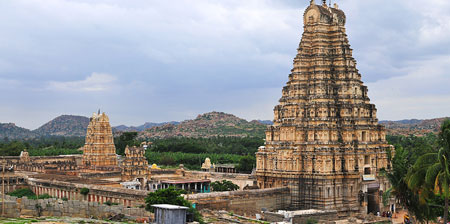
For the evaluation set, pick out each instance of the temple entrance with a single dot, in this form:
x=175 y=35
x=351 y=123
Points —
x=373 y=200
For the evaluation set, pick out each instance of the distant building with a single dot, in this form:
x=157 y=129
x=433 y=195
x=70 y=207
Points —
x=225 y=168
x=189 y=185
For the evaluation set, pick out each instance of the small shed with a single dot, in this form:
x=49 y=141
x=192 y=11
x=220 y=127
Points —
x=170 y=214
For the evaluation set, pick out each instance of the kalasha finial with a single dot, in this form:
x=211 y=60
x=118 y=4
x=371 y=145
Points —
x=324 y=2
x=312 y=2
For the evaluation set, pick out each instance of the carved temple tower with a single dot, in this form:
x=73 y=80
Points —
x=99 y=152
x=325 y=144
x=135 y=165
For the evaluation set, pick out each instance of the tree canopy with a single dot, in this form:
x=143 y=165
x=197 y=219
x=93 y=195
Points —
x=170 y=196
x=225 y=185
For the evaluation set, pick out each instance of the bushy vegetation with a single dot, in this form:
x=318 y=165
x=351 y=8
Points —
x=27 y=192
x=224 y=185
x=192 y=152
x=126 y=138
x=44 y=146
x=84 y=191
x=222 y=145
x=22 y=192
x=420 y=174
x=191 y=161
x=109 y=203
x=170 y=196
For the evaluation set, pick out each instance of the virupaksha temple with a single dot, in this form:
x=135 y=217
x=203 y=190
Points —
x=325 y=144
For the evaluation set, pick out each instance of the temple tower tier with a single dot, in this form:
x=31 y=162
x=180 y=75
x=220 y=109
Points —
x=325 y=143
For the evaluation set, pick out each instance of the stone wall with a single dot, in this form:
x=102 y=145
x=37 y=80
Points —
x=15 y=207
x=242 y=202
x=301 y=216
x=242 y=180
x=101 y=175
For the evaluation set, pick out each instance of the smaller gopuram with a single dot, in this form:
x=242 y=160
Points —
x=207 y=166
x=135 y=165
x=99 y=152
x=24 y=157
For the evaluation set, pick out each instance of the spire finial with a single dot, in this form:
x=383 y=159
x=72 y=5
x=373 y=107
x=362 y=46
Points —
x=312 y=2
x=324 y=2
x=98 y=111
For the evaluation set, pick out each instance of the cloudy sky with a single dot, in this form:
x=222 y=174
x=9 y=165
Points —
x=153 y=60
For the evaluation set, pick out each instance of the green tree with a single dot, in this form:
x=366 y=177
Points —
x=246 y=164
x=225 y=185
x=431 y=174
x=22 y=192
x=170 y=196
x=84 y=191
x=127 y=138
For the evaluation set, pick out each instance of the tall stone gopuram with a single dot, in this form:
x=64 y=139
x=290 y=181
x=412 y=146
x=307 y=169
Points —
x=325 y=144
x=99 y=152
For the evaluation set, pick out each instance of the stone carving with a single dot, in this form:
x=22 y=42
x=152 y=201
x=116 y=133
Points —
x=324 y=120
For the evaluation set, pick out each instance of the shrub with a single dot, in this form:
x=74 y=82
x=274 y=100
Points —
x=23 y=192
x=171 y=196
x=84 y=191
x=311 y=221
x=109 y=203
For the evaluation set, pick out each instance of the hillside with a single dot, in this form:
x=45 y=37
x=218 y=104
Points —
x=147 y=125
x=205 y=125
x=208 y=125
x=65 y=125
x=11 y=131
x=413 y=127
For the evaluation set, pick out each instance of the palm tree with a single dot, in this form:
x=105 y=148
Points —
x=431 y=172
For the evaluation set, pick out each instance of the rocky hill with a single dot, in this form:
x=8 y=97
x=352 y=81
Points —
x=65 y=125
x=413 y=127
x=11 y=131
x=143 y=127
x=205 y=125
x=208 y=125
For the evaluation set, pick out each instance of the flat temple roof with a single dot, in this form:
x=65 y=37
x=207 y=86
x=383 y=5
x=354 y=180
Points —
x=184 y=181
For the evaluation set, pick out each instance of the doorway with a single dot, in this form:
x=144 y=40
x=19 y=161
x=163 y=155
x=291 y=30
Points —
x=373 y=200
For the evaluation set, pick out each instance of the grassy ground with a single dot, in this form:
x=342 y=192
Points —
x=54 y=220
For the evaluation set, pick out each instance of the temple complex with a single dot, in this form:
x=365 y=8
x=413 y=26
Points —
x=99 y=152
x=325 y=144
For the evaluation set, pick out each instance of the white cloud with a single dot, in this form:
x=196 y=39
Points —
x=9 y=83
x=96 y=82
x=182 y=51
x=422 y=93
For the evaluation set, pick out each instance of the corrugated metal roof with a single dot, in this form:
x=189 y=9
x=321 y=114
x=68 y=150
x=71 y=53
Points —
x=167 y=206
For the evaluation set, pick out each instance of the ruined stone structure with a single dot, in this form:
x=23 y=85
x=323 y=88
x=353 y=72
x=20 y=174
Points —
x=99 y=152
x=67 y=164
x=135 y=165
x=325 y=144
